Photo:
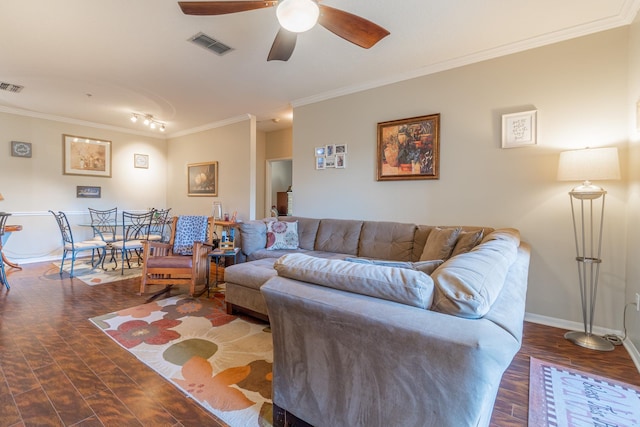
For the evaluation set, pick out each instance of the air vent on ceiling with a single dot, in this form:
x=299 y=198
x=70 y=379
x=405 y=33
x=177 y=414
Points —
x=9 y=87
x=210 y=43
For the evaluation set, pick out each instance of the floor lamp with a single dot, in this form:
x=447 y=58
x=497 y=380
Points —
x=587 y=210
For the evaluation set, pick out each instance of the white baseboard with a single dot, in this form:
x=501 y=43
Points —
x=575 y=326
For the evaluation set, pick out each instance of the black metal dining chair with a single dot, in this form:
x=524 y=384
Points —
x=3 y=274
x=70 y=245
x=135 y=228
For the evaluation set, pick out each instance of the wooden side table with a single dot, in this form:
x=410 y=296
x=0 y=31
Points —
x=227 y=227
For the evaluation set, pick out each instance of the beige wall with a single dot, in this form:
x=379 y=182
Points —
x=279 y=144
x=633 y=218
x=579 y=88
x=232 y=146
x=32 y=186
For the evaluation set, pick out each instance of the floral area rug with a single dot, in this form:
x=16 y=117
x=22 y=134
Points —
x=564 y=397
x=97 y=276
x=221 y=361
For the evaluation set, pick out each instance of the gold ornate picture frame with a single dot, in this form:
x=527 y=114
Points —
x=409 y=149
x=202 y=179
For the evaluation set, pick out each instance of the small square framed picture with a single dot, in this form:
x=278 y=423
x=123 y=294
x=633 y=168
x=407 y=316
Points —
x=341 y=148
x=331 y=150
x=330 y=162
x=21 y=149
x=141 y=161
x=519 y=129
x=321 y=151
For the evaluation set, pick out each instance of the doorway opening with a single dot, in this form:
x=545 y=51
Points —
x=279 y=179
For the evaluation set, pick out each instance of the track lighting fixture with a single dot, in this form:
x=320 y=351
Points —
x=148 y=120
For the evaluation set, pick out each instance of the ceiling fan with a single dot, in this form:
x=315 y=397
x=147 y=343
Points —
x=296 y=16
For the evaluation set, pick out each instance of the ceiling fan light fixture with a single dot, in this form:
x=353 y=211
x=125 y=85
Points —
x=297 y=16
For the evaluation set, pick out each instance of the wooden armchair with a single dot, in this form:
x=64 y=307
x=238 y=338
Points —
x=161 y=266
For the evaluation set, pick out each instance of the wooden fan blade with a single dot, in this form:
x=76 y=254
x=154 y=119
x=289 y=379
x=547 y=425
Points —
x=282 y=46
x=350 y=27
x=222 y=7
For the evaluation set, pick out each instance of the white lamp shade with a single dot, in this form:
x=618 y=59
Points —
x=589 y=164
x=297 y=15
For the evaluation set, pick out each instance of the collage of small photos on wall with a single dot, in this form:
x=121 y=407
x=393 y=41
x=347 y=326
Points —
x=331 y=156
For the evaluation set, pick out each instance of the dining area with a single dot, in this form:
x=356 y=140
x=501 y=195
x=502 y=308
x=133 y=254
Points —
x=98 y=245
x=115 y=237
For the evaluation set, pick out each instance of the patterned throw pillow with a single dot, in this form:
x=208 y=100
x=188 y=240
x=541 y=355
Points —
x=282 y=235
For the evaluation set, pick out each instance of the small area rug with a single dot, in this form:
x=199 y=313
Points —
x=561 y=396
x=97 y=276
x=223 y=362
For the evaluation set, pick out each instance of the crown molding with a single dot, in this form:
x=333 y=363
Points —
x=54 y=118
x=626 y=16
x=213 y=125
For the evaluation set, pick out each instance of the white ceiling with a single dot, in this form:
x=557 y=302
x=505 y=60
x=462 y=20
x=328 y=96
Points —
x=99 y=61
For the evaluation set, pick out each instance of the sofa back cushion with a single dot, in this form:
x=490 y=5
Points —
x=386 y=240
x=400 y=285
x=307 y=230
x=468 y=284
x=339 y=236
x=253 y=236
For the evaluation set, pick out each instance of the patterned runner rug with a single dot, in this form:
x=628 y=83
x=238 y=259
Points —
x=561 y=396
x=97 y=276
x=223 y=362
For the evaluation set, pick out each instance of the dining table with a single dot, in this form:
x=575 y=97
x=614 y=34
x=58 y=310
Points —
x=8 y=229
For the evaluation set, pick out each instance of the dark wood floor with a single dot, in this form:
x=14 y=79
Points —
x=57 y=369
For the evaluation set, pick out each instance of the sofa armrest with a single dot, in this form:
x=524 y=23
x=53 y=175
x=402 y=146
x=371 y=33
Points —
x=344 y=359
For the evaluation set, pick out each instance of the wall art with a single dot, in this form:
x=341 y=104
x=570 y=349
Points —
x=519 y=129
x=202 y=179
x=86 y=156
x=88 y=192
x=331 y=156
x=409 y=149
x=141 y=161
x=21 y=149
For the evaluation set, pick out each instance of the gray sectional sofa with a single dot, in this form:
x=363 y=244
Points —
x=384 y=323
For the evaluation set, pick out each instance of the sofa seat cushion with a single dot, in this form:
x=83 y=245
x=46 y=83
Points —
x=400 y=285
x=273 y=255
x=468 y=284
x=251 y=274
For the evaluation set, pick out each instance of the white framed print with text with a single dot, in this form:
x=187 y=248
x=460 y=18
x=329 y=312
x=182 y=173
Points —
x=141 y=161
x=519 y=129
